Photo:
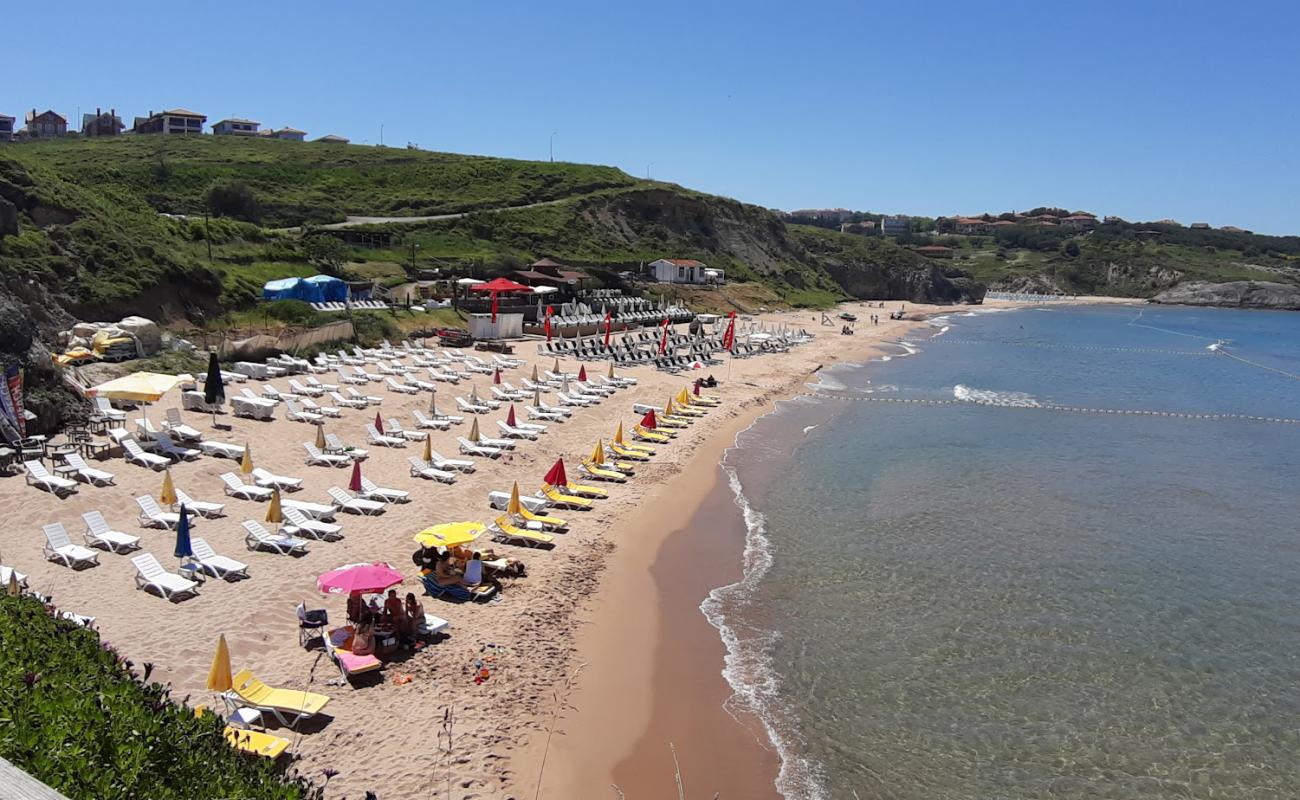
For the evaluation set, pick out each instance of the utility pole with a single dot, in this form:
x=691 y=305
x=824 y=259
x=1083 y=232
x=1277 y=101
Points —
x=381 y=134
x=207 y=234
x=647 y=170
x=414 y=247
x=553 y=146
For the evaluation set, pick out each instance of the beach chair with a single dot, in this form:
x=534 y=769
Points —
x=316 y=384
x=468 y=448
x=564 y=500
x=59 y=548
x=134 y=454
x=355 y=505
x=244 y=491
x=373 y=436
x=371 y=491
x=400 y=387
x=644 y=435
x=625 y=452
x=152 y=516
x=287 y=706
x=500 y=444
x=338 y=644
x=369 y=398
x=537 y=412
x=338 y=447
x=215 y=565
x=258 y=538
x=200 y=507
x=40 y=477
x=174 y=451
x=318 y=459
x=563 y=412
x=313 y=407
x=257 y=743
x=347 y=402
x=554 y=524
x=105 y=410
x=471 y=408
x=455 y=591
x=311 y=623
x=98 y=534
x=515 y=433
x=422 y=469
x=506 y=533
x=308 y=391
x=394 y=426
x=319 y=511
x=269 y=480
x=173 y=423
x=601 y=473
x=294 y=412
x=452 y=464
x=150 y=575
x=576 y=402
x=297 y=523
x=422 y=421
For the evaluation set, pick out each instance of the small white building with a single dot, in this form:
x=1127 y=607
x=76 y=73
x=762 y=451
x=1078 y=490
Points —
x=236 y=127
x=507 y=326
x=685 y=270
x=288 y=134
x=895 y=225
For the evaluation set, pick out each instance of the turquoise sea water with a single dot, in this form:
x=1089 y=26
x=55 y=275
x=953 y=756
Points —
x=980 y=594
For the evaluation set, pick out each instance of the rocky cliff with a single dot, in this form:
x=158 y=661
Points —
x=1233 y=294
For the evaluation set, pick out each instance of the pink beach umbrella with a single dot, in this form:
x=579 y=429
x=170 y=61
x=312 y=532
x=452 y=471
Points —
x=354 y=484
x=555 y=476
x=359 y=579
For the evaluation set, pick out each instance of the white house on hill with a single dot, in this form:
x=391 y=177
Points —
x=685 y=270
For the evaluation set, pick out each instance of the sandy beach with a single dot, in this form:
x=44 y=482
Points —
x=584 y=693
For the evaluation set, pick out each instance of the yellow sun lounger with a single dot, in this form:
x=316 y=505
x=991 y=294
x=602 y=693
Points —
x=548 y=522
x=584 y=490
x=650 y=436
x=627 y=452
x=562 y=499
x=671 y=422
x=288 y=706
x=686 y=411
x=638 y=448
x=601 y=473
x=505 y=532
x=256 y=742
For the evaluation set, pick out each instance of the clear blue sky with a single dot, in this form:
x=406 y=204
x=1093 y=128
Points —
x=1143 y=109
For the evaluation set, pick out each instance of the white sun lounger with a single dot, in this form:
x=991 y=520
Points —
x=172 y=422
x=338 y=447
x=258 y=538
x=394 y=426
x=218 y=566
x=298 y=388
x=149 y=574
x=355 y=505
x=59 y=548
x=221 y=450
x=39 y=477
x=567 y=412
x=349 y=378
x=172 y=450
x=316 y=458
x=237 y=488
x=98 y=534
x=572 y=401
x=347 y=402
x=422 y=421
x=400 y=387
x=106 y=410
x=515 y=433
x=295 y=413
x=369 y=398
x=136 y=455
x=298 y=524
x=471 y=408
x=534 y=412
x=375 y=437
x=152 y=515
x=320 y=511
x=200 y=507
x=457 y=464
x=269 y=480
x=469 y=448
x=314 y=408
x=371 y=491
x=422 y=469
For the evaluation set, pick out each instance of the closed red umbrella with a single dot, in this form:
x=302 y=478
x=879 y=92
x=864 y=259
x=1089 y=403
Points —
x=648 y=421
x=496 y=377
x=582 y=373
x=555 y=476
x=510 y=418
x=354 y=484
x=379 y=422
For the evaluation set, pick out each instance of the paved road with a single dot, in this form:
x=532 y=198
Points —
x=352 y=222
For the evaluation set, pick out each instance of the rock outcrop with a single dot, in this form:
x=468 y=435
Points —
x=1234 y=294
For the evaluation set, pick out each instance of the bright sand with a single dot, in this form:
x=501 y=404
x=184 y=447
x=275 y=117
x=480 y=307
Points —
x=577 y=639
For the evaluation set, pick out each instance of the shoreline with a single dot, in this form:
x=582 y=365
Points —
x=669 y=685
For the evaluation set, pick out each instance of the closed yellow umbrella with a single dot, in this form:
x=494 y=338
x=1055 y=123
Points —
x=167 y=496
x=273 y=512
x=598 y=455
x=618 y=434
x=450 y=534
x=611 y=370
x=668 y=409
x=428 y=449
x=320 y=437
x=246 y=465
x=473 y=431
x=13 y=588
x=219 y=673
x=683 y=398
x=513 y=507
x=534 y=373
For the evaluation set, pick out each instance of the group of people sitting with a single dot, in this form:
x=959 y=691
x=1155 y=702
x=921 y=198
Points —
x=465 y=567
x=396 y=616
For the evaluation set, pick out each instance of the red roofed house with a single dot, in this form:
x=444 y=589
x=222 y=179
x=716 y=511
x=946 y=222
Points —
x=178 y=120
x=1080 y=222
x=684 y=270
x=935 y=251
x=972 y=225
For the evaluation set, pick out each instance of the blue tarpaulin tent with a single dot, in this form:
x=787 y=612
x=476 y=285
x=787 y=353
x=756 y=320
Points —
x=316 y=289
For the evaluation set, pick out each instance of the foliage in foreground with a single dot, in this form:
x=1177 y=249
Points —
x=83 y=720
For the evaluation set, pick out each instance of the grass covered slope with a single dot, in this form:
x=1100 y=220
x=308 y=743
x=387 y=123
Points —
x=78 y=717
x=297 y=182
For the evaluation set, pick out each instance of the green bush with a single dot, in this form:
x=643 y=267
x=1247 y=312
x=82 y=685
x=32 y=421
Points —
x=78 y=717
x=294 y=312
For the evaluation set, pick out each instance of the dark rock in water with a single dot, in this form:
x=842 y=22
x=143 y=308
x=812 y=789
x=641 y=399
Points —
x=1234 y=294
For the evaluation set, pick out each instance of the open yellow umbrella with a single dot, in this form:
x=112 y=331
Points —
x=428 y=449
x=473 y=431
x=140 y=387
x=514 y=507
x=167 y=495
x=219 y=673
x=450 y=534
x=273 y=512
x=320 y=437
x=598 y=455
x=246 y=465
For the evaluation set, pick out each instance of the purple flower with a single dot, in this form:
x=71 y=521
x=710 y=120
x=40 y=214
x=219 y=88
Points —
x=31 y=679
